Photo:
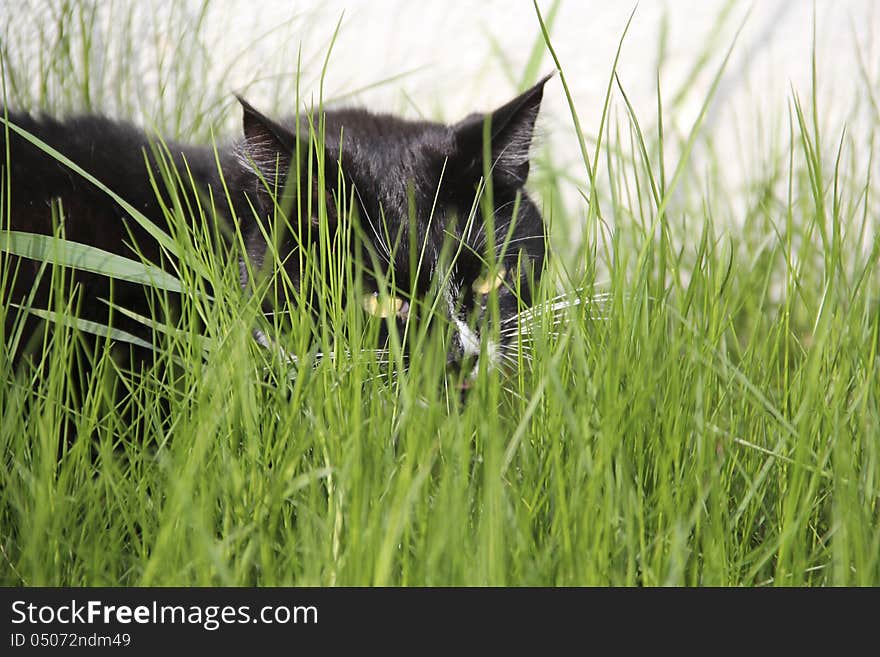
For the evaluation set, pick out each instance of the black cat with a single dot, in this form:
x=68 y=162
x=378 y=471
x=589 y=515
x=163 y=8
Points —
x=414 y=186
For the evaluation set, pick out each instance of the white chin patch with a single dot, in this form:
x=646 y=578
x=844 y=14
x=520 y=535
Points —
x=491 y=360
x=262 y=339
x=470 y=341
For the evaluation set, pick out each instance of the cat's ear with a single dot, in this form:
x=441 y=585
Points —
x=267 y=145
x=511 y=129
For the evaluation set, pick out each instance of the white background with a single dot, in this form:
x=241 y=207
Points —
x=444 y=59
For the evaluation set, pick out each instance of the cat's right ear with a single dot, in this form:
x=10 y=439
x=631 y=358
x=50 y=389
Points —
x=267 y=145
x=511 y=128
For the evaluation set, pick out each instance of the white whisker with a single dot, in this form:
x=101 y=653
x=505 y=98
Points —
x=555 y=305
x=385 y=250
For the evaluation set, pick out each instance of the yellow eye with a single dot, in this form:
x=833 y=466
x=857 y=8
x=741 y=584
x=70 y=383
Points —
x=384 y=306
x=489 y=281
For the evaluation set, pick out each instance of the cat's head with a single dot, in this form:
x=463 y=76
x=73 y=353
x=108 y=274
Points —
x=432 y=233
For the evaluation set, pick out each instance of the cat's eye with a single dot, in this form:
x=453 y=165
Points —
x=385 y=305
x=489 y=281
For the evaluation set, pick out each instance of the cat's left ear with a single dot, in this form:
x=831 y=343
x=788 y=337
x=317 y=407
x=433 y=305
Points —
x=511 y=129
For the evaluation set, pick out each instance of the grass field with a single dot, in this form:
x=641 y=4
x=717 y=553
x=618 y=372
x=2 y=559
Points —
x=708 y=413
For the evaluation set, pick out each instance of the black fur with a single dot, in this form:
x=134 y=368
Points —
x=390 y=166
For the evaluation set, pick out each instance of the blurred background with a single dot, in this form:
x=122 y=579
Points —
x=174 y=64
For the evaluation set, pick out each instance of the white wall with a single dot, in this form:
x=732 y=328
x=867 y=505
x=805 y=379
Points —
x=448 y=56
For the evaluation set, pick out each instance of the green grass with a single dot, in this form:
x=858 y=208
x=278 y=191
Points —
x=710 y=418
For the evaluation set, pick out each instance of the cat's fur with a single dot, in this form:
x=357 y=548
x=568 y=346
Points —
x=393 y=169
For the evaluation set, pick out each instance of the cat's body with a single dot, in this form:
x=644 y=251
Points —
x=413 y=184
x=115 y=153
